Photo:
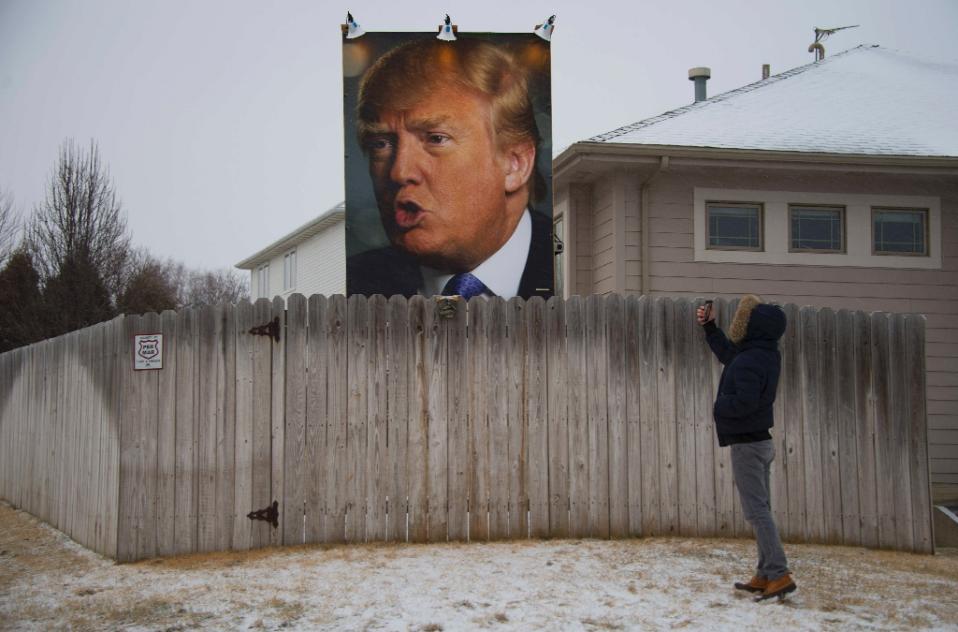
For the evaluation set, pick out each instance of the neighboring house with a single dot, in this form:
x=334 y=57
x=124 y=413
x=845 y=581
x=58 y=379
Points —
x=833 y=184
x=309 y=260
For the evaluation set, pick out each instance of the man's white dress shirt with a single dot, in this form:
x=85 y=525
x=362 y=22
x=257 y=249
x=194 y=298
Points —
x=499 y=272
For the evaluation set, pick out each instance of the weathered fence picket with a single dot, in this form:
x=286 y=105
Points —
x=557 y=412
x=410 y=420
x=458 y=423
x=294 y=493
x=316 y=464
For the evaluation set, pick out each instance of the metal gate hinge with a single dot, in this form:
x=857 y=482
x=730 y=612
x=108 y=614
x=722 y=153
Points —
x=270 y=514
x=270 y=329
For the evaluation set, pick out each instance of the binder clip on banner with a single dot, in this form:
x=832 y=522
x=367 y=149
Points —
x=545 y=29
x=353 y=30
x=446 y=31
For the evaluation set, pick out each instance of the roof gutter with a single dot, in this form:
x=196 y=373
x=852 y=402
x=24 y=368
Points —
x=294 y=238
x=575 y=154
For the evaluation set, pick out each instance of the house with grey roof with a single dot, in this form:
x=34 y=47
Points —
x=834 y=184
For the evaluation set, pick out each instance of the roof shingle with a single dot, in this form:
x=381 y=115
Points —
x=867 y=100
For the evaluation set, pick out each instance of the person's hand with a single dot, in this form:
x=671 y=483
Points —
x=701 y=316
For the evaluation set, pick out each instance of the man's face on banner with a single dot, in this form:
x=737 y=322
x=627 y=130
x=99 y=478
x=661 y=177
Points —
x=441 y=182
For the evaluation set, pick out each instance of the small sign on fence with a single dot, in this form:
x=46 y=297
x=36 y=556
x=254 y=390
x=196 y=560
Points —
x=148 y=352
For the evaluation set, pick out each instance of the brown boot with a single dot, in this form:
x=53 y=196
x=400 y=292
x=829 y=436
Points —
x=755 y=585
x=778 y=588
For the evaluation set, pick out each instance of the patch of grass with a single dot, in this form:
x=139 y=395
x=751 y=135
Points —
x=287 y=610
x=602 y=624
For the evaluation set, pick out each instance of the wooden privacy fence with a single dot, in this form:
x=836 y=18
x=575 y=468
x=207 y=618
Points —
x=383 y=420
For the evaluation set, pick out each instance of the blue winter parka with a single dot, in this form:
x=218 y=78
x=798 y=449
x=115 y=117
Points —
x=746 y=393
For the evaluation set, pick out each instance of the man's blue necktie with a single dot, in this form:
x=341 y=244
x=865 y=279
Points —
x=465 y=285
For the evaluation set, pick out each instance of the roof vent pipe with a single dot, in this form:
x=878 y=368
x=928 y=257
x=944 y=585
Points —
x=700 y=75
x=766 y=71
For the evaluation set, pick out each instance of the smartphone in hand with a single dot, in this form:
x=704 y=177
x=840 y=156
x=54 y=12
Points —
x=708 y=310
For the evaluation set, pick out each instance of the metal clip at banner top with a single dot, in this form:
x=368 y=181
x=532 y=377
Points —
x=353 y=30
x=545 y=29
x=447 y=32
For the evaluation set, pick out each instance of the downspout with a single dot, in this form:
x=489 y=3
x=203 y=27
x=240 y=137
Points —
x=644 y=221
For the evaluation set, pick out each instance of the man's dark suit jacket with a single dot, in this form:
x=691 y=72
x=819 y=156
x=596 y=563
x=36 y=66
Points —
x=388 y=271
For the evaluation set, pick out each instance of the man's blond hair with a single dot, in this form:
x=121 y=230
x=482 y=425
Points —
x=405 y=75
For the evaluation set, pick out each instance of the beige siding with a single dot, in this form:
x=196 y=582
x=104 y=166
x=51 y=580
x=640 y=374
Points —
x=580 y=204
x=603 y=237
x=673 y=270
x=633 y=234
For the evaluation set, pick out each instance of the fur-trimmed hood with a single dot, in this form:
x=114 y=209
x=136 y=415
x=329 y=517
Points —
x=755 y=320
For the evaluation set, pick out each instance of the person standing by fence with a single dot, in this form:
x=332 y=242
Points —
x=743 y=418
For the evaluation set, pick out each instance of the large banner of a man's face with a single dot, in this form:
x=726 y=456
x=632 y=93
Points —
x=448 y=165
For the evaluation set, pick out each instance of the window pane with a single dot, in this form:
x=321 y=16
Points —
x=899 y=231
x=734 y=226
x=816 y=228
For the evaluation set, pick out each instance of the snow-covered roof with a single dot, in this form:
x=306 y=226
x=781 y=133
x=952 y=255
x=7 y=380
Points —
x=868 y=100
x=295 y=237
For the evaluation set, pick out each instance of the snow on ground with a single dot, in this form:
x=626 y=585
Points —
x=48 y=582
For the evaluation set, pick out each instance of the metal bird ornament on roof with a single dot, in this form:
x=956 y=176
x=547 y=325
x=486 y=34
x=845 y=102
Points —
x=820 y=36
x=545 y=29
x=353 y=30
x=446 y=33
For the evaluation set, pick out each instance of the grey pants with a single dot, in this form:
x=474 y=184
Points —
x=751 y=464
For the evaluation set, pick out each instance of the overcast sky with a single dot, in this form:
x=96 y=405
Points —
x=221 y=120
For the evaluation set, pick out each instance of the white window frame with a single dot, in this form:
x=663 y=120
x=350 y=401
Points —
x=262 y=281
x=858 y=230
x=289 y=271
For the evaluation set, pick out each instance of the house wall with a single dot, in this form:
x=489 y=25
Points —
x=673 y=269
x=320 y=266
x=580 y=229
x=603 y=236
x=632 y=239
x=322 y=263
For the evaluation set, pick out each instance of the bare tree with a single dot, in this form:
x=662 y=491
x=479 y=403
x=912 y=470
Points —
x=153 y=285
x=9 y=227
x=149 y=285
x=209 y=287
x=79 y=243
x=80 y=222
